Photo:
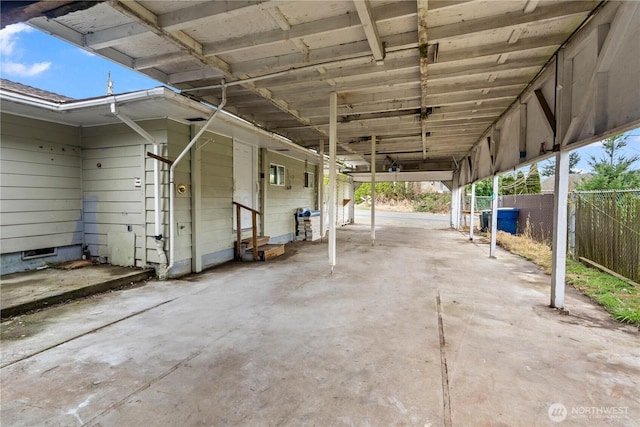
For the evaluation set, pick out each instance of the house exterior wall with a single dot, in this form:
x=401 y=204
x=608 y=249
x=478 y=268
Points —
x=40 y=191
x=114 y=181
x=161 y=136
x=178 y=137
x=71 y=187
x=212 y=196
x=282 y=202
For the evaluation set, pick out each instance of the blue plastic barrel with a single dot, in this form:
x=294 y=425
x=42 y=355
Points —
x=508 y=219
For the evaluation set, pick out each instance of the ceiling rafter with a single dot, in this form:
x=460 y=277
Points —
x=313 y=28
x=276 y=15
x=363 y=7
x=271 y=37
x=174 y=21
x=522 y=45
x=149 y=20
x=395 y=61
x=450 y=69
x=326 y=55
x=402 y=82
x=424 y=62
x=540 y=15
x=136 y=11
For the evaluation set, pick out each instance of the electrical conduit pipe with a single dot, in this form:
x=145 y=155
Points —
x=172 y=227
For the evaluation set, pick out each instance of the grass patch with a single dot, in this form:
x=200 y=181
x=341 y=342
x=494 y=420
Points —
x=619 y=298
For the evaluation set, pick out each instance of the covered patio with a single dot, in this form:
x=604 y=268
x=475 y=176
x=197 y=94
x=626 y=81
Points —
x=456 y=339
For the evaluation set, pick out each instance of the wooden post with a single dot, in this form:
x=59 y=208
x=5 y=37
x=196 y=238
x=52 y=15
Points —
x=255 y=235
x=472 y=210
x=559 y=245
x=239 y=234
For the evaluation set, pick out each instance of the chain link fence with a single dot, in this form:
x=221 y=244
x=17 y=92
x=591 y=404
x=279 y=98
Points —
x=607 y=229
x=604 y=226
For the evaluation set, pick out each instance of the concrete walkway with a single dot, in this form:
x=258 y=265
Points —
x=421 y=329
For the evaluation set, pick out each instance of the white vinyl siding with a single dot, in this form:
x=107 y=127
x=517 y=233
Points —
x=215 y=232
x=40 y=185
x=283 y=202
x=178 y=136
x=112 y=160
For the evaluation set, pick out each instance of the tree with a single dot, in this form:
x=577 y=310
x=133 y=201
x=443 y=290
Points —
x=483 y=188
x=533 y=180
x=508 y=185
x=549 y=168
x=520 y=184
x=613 y=170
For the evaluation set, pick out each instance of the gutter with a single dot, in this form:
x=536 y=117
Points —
x=86 y=103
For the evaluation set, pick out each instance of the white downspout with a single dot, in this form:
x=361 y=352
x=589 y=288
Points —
x=162 y=257
x=172 y=225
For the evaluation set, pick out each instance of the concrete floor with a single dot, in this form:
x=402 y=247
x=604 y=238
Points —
x=29 y=290
x=422 y=329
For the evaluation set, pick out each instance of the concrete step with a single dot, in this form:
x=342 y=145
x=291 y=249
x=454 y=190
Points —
x=39 y=295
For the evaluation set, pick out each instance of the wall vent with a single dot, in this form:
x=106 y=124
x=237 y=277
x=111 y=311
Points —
x=39 y=253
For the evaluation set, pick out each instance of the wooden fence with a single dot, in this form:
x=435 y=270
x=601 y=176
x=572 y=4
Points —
x=607 y=229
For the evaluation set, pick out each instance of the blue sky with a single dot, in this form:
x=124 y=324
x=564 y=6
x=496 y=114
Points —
x=31 y=57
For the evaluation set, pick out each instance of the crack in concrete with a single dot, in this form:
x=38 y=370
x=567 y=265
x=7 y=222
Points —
x=446 y=399
x=28 y=356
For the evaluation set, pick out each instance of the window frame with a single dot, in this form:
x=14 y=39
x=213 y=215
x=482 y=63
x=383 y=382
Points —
x=309 y=180
x=280 y=172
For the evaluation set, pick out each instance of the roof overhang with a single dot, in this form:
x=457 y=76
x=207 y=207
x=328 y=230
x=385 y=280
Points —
x=149 y=104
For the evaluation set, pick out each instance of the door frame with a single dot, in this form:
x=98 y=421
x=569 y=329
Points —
x=254 y=179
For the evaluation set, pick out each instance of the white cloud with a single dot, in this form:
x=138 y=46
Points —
x=9 y=38
x=22 y=70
